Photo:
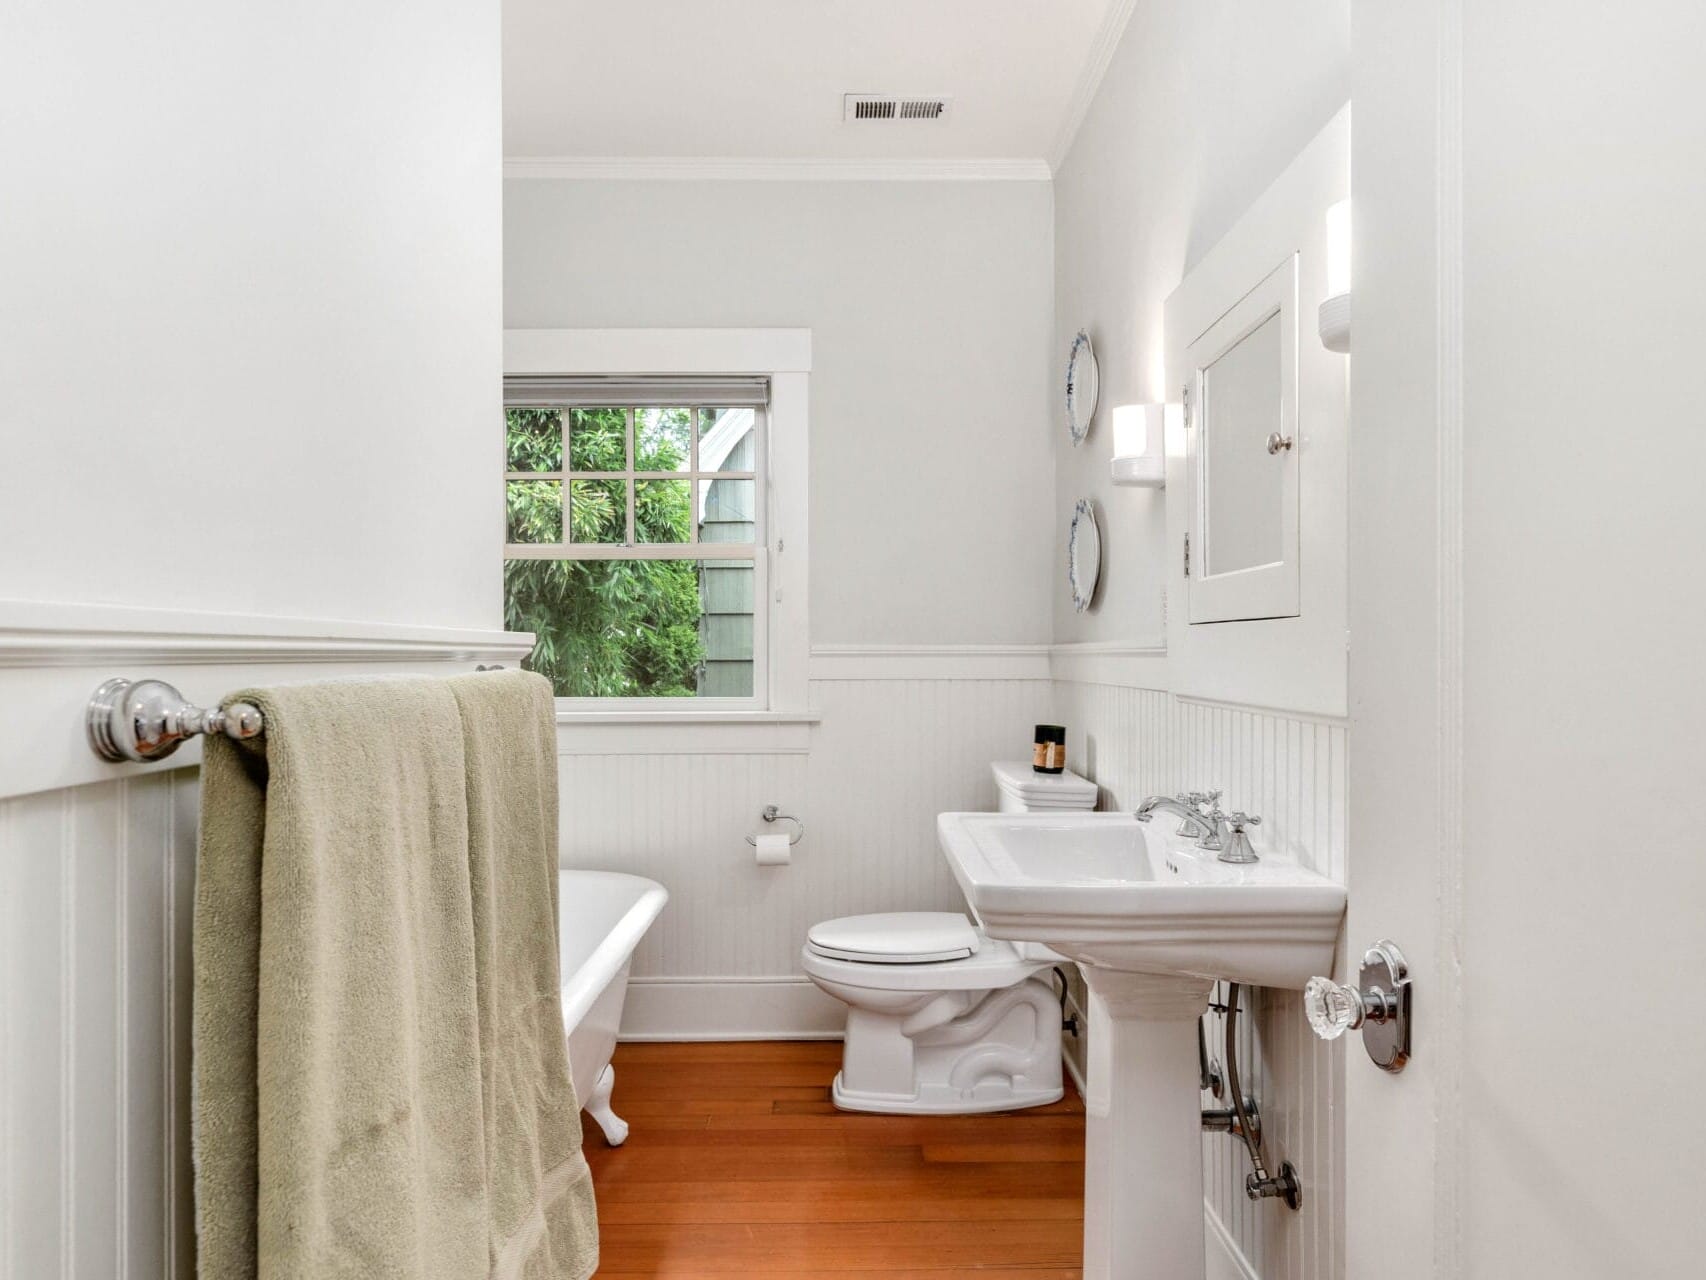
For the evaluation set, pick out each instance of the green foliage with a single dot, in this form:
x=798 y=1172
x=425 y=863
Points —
x=605 y=628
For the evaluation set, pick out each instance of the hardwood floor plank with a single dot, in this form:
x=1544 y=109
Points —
x=737 y=1164
x=820 y=1052
x=994 y=1270
x=912 y=1208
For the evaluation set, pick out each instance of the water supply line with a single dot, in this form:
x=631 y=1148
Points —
x=1068 y=1015
x=1242 y=1121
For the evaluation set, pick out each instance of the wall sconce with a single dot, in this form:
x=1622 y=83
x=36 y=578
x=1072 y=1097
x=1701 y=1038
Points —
x=1333 y=320
x=1135 y=425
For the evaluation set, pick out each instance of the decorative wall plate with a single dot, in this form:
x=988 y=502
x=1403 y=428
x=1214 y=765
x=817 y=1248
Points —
x=1083 y=381
x=1083 y=555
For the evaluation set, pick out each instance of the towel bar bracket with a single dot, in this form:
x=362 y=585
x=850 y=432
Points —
x=146 y=720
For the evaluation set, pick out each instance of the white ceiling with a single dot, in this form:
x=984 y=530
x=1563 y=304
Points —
x=762 y=79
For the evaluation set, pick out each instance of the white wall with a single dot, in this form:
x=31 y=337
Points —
x=250 y=329
x=1202 y=106
x=929 y=307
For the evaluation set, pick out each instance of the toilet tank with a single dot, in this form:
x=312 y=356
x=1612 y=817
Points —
x=1020 y=789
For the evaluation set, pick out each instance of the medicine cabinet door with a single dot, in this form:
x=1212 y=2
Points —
x=1243 y=457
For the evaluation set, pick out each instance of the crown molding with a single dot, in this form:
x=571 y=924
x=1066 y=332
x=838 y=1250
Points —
x=783 y=169
x=1090 y=79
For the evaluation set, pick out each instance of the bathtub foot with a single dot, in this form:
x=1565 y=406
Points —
x=598 y=1107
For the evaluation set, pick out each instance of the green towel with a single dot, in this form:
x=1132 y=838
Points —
x=381 y=1086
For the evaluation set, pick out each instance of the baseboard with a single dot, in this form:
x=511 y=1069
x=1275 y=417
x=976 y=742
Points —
x=684 y=1009
x=1072 y=1069
x=1226 y=1261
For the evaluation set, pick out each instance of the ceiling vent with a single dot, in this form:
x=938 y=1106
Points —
x=882 y=107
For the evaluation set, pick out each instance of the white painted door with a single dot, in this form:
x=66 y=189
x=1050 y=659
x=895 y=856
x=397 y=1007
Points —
x=1527 y=602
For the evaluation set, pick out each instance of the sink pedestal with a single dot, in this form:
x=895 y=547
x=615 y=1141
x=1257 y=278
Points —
x=1143 y=1201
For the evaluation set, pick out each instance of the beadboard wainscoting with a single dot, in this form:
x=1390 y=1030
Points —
x=97 y=872
x=95 y=886
x=886 y=756
x=1136 y=741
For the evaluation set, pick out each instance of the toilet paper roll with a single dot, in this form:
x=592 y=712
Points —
x=774 y=849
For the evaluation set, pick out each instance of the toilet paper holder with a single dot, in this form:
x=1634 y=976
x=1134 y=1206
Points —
x=773 y=814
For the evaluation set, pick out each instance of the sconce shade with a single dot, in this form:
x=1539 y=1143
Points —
x=1135 y=425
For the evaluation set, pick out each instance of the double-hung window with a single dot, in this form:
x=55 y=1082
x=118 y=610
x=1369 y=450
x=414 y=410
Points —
x=636 y=539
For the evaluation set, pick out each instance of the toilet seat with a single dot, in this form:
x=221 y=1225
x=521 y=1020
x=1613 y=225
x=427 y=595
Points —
x=898 y=937
x=997 y=964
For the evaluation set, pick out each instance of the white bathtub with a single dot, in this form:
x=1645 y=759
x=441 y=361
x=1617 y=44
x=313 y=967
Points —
x=601 y=917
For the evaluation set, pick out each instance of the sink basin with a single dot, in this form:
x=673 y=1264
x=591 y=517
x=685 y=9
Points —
x=1152 y=921
x=1108 y=890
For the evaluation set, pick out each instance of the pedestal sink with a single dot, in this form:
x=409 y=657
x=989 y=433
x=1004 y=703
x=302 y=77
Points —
x=1153 y=921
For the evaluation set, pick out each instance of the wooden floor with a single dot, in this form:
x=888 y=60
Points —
x=737 y=1165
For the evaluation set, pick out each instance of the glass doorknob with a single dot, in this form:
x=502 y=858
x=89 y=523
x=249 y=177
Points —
x=1331 y=1007
x=1379 y=1004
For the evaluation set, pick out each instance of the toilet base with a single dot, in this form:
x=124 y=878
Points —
x=943 y=1100
x=948 y=1052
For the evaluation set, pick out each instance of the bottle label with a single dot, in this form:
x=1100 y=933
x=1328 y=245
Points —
x=1049 y=755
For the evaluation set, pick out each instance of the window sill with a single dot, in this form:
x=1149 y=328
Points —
x=684 y=732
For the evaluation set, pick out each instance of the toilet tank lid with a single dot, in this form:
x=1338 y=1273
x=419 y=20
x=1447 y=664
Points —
x=1018 y=778
x=901 y=937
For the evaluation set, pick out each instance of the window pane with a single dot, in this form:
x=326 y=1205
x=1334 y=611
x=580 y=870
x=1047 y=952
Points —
x=728 y=511
x=598 y=511
x=535 y=510
x=598 y=439
x=663 y=510
x=635 y=628
x=725 y=629
x=533 y=440
x=727 y=440
x=663 y=439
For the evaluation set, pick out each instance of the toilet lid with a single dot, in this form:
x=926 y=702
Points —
x=1016 y=777
x=903 y=937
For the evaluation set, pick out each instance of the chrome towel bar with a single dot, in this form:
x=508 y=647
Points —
x=146 y=720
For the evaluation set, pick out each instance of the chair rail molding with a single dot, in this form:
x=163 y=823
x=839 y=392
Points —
x=53 y=655
x=1129 y=666
x=930 y=662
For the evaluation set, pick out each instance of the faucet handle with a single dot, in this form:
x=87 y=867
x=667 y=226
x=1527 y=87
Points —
x=1201 y=799
x=1215 y=820
x=1237 y=848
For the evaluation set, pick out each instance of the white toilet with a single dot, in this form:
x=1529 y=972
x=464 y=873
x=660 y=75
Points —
x=941 y=1019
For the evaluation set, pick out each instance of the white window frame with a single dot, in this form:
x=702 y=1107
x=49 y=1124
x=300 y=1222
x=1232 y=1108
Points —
x=781 y=555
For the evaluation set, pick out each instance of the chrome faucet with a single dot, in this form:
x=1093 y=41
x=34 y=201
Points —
x=1187 y=806
x=1201 y=819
